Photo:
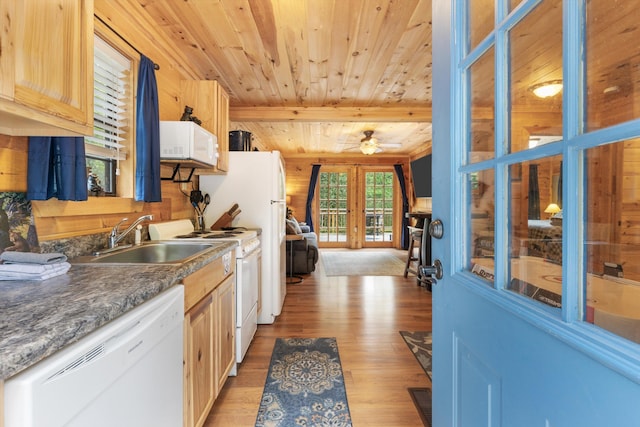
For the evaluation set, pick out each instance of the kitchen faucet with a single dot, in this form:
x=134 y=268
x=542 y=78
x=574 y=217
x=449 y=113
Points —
x=114 y=237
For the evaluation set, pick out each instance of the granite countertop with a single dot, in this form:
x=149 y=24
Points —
x=38 y=318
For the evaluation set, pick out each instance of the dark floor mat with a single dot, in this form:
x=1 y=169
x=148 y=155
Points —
x=422 y=399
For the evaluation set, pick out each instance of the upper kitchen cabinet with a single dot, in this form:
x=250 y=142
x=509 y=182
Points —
x=46 y=64
x=210 y=103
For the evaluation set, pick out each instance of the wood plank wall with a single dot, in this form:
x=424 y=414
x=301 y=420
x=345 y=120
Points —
x=629 y=225
x=55 y=219
x=298 y=171
x=617 y=215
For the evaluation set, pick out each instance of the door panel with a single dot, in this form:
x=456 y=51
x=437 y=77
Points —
x=478 y=388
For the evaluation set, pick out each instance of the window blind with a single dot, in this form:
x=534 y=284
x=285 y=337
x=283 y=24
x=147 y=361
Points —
x=110 y=92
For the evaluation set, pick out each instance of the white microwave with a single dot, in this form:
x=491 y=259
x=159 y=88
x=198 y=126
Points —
x=186 y=142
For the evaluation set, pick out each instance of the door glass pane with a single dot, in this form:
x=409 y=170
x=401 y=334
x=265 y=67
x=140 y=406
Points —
x=481 y=20
x=536 y=69
x=480 y=187
x=613 y=72
x=378 y=206
x=481 y=141
x=535 y=235
x=613 y=238
x=332 y=194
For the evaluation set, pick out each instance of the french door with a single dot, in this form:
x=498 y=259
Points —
x=357 y=206
x=378 y=203
x=536 y=313
x=335 y=200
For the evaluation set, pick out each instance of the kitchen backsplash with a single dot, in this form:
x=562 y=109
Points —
x=18 y=231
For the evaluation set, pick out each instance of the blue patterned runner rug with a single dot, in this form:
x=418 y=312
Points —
x=305 y=385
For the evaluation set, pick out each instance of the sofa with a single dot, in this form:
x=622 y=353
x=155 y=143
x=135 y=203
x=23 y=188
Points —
x=305 y=250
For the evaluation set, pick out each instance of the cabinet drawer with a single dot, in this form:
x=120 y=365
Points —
x=200 y=283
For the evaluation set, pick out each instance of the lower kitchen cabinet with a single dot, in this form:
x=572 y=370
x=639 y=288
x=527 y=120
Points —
x=226 y=329
x=199 y=358
x=209 y=336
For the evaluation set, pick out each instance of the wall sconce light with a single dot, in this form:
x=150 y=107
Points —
x=547 y=89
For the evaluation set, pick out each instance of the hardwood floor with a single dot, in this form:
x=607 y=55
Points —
x=365 y=314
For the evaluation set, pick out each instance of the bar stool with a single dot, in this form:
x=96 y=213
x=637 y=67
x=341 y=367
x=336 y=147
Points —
x=416 y=241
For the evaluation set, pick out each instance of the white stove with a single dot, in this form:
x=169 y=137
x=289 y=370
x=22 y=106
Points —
x=248 y=262
x=248 y=240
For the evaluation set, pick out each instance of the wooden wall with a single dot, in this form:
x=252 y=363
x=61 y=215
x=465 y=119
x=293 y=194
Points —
x=298 y=170
x=612 y=202
x=13 y=163
x=628 y=230
x=55 y=219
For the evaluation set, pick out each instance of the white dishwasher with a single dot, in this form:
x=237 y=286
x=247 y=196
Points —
x=127 y=373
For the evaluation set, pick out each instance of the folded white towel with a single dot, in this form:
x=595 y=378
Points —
x=32 y=272
x=31 y=257
x=29 y=268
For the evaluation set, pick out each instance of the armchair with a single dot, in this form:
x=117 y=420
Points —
x=305 y=251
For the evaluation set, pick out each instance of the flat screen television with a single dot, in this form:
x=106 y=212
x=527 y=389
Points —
x=421 y=175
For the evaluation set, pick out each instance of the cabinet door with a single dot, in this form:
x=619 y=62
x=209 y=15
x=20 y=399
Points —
x=200 y=381
x=226 y=316
x=210 y=104
x=46 y=59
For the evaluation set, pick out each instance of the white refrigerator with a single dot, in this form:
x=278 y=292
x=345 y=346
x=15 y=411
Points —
x=256 y=182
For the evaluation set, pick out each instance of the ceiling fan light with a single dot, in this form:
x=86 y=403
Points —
x=369 y=147
x=368 y=144
x=547 y=89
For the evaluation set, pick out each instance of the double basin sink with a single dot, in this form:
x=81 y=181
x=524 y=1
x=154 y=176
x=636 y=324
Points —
x=163 y=252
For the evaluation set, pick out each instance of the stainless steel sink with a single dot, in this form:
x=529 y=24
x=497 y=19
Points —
x=151 y=253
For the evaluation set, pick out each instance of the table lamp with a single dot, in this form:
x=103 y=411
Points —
x=552 y=209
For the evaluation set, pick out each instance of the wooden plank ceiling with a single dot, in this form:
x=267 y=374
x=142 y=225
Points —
x=310 y=76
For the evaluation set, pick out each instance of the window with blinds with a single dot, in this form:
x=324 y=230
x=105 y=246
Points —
x=112 y=99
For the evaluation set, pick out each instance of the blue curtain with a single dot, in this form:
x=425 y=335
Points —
x=534 y=193
x=56 y=167
x=315 y=171
x=147 y=135
x=405 y=207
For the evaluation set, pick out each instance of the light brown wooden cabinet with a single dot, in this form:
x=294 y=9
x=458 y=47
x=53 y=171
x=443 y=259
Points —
x=46 y=64
x=209 y=336
x=226 y=329
x=210 y=103
x=200 y=350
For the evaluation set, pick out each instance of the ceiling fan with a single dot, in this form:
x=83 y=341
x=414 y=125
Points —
x=370 y=145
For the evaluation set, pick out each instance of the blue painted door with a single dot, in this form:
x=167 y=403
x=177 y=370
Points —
x=536 y=142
